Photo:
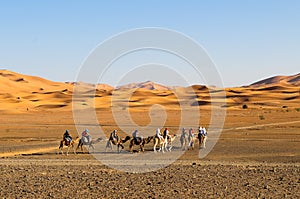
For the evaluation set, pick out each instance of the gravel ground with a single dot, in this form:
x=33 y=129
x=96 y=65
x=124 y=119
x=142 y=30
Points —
x=56 y=178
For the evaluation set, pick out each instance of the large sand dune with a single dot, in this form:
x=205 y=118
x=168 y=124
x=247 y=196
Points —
x=21 y=93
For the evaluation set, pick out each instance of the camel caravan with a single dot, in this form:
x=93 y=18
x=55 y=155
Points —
x=162 y=142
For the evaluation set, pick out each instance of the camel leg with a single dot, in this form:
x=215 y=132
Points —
x=61 y=147
x=108 y=144
x=92 y=146
x=154 y=147
x=170 y=146
x=181 y=142
x=61 y=151
x=201 y=142
x=166 y=145
x=160 y=147
x=111 y=145
x=130 y=148
x=68 y=150
x=81 y=146
x=73 y=147
x=79 y=143
x=204 y=142
x=122 y=147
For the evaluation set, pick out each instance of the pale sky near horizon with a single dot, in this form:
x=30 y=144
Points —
x=247 y=40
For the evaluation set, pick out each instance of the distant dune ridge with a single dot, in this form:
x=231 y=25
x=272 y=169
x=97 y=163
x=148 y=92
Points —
x=292 y=80
x=148 y=85
x=20 y=93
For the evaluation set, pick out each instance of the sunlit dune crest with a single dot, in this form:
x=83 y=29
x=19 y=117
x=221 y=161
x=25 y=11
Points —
x=283 y=80
x=148 y=85
x=29 y=93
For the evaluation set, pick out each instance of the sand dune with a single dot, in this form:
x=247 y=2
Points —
x=22 y=93
x=149 y=85
x=293 y=80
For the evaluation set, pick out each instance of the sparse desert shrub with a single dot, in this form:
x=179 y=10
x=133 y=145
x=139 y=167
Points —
x=284 y=106
x=297 y=109
x=245 y=106
x=261 y=117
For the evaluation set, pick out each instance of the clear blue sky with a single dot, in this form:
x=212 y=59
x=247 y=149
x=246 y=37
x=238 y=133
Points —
x=248 y=40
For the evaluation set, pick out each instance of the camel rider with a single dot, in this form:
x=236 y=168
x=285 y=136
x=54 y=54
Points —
x=114 y=135
x=199 y=130
x=191 y=132
x=136 y=136
x=184 y=131
x=166 y=133
x=191 y=137
x=86 y=138
x=67 y=136
x=204 y=132
x=158 y=134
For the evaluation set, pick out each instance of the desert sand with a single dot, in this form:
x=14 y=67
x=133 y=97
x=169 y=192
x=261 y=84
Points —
x=256 y=156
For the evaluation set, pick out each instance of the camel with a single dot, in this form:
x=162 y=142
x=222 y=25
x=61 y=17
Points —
x=118 y=141
x=68 y=144
x=184 y=140
x=90 y=144
x=140 y=142
x=202 y=141
x=163 y=143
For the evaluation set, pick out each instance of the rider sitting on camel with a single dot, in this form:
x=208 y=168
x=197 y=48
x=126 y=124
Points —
x=191 y=132
x=202 y=131
x=183 y=131
x=158 y=134
x=67 y=136
x=166 y=133
x=191 y=137
x=114 y=135
x=136 y=136
x=86 y=138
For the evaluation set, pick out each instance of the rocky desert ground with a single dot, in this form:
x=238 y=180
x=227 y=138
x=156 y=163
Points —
x=256 y=156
